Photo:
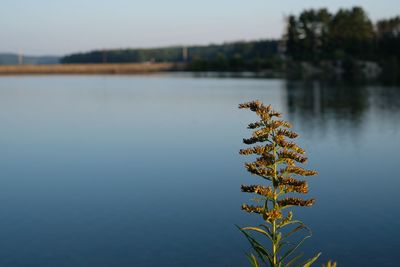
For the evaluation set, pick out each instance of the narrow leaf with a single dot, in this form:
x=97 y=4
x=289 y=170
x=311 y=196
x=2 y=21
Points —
x=290 y=251
x=259 y=249
x=292 y=261
x=289 y=223
x=253 y=260
x=258 y=230
x=308 y=262
x=298 y=228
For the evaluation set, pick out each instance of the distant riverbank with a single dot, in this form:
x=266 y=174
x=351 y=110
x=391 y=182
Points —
x=136 y=68
x=358 y=71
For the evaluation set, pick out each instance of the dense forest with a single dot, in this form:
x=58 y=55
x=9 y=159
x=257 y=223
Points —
x=236 y=56
x=346 y=38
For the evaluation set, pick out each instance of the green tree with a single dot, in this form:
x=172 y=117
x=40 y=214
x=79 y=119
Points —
x=388 y=42
x=307 y=36
x=317 y=35
x=351 y=33
x=292 y=38
x=388 y=33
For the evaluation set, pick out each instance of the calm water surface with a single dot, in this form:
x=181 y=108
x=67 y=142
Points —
x=145 y=171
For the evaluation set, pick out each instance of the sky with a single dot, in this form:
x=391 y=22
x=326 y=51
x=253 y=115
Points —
x=59 y=27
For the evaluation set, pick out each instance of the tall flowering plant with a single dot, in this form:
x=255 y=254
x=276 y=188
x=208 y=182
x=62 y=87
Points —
x=276 y=162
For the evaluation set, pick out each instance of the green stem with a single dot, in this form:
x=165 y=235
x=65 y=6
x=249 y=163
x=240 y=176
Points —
x=274 y=232
x=274 y=245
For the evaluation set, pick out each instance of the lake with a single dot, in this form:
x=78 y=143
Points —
x=145 y=170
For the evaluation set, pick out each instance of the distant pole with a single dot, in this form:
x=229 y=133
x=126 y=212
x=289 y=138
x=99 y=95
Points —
x=185 y=54
x=20 y=58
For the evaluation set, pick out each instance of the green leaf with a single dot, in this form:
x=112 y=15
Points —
x=253 y=260
x=290 y=251
x=292 y=261
x=308 y=262
x=258 y=248
x=282 y=244
x=278 y=237
x=258 y=230
x=288 y=223
x=266 y=228
x=298 y=228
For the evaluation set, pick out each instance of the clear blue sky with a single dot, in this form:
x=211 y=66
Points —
x=58 y=27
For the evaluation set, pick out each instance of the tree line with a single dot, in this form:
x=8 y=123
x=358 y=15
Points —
x=347 y=35
x=255 y=55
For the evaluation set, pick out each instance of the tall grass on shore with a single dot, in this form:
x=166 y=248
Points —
x=276 y=164
x=135 y=68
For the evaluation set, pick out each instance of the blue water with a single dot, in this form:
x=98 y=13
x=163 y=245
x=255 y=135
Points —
x=145 y=170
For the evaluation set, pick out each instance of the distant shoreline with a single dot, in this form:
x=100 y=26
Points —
x=136 y=68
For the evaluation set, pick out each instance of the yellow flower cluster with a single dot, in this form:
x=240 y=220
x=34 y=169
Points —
x=294 y=201
x=276 y=161
x=265 y=191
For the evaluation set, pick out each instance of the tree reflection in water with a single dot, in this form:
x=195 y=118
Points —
x=340 y=107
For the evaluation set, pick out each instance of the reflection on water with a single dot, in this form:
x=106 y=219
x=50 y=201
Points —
x=145 y=171
x=341 y=106
x=317 y=103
